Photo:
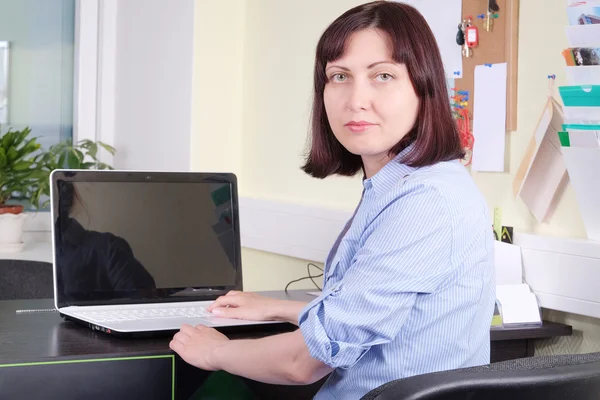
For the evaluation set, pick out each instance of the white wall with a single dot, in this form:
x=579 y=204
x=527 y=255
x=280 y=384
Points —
x=153 y=84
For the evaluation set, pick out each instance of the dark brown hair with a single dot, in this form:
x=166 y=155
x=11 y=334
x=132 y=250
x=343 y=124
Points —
x=435 y=134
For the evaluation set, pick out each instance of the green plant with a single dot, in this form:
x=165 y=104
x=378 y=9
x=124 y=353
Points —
x=25 y=169
x=18 y=170
x=66 y=155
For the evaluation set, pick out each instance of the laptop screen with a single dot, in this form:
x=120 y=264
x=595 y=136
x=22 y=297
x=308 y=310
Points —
x=135 y=237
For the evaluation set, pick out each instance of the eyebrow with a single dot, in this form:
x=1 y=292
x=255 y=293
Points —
x=369 y=67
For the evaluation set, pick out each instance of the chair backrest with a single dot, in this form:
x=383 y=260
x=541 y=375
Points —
x=544 y=377
x=25 y=280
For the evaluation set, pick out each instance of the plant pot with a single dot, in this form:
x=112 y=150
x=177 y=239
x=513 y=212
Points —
x=12 y=220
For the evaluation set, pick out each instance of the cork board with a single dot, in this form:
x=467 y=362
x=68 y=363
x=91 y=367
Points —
x=497 y=46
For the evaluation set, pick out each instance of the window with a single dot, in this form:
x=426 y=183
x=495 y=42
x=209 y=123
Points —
x=39 y=35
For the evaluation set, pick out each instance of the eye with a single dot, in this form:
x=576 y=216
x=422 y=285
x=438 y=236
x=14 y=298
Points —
x=339 y=77
x=384 y=77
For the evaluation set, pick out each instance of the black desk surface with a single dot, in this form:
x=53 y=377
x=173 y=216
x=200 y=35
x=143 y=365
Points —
x=45 y=336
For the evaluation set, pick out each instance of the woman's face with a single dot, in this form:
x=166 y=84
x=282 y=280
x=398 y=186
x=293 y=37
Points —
x=369 y=98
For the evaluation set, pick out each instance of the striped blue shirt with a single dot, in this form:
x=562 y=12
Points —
x=409 y=286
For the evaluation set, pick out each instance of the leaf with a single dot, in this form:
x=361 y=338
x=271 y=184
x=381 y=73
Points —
x=12 y=154
x=108 y=148
x=61 y=160
x=3 y=159
x=37 y=174
x=103 y=166
x=80 y=155
x=93 y=150
x=88 y=165
x=85 y=143
x=21 y=165
x=72 y=160
x=8 y=139
x=30 y=147
x=21 y=136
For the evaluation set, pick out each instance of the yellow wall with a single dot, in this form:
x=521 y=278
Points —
x=253 y=86
x=280 y=42
x=217 y=86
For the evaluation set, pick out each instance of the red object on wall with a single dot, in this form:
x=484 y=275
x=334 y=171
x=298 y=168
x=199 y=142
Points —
x=472 y=36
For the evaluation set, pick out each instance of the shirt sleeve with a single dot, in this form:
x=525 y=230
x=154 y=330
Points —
x=407 y=252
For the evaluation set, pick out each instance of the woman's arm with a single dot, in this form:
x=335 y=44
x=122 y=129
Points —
x=280 y=359
x=288 y=311
x=251 y=306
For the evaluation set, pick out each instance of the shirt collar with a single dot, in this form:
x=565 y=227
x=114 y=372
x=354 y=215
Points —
x=391 y=173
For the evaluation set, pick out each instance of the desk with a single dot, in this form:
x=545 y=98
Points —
x=145 y=364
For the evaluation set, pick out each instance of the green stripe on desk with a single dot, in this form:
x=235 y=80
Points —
x=564 y=139
x=172 y=357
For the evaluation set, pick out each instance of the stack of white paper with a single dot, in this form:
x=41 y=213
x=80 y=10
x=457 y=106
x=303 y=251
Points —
x=508 y=264
x=519 y=305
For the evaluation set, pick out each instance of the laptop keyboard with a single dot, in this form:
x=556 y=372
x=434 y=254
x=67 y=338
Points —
x=143 y=313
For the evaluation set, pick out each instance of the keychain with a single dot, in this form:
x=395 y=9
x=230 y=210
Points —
x=472 y=36
x=460 y=35
x=467 y=37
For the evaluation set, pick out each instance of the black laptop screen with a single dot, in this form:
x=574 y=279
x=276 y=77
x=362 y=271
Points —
x=134 y=240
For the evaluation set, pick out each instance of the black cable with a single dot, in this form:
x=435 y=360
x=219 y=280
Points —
x=310 y=276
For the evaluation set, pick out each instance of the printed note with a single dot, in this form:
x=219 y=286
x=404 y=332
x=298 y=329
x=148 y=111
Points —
x=489 y=117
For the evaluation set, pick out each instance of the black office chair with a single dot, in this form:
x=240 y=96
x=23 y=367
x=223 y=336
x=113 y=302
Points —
x=545 y=377
x=21 y=280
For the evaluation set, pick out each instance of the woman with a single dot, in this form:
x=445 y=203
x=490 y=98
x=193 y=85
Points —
x=409 y=284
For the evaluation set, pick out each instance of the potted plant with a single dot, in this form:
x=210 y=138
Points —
x=24 y=177
x=83 y=155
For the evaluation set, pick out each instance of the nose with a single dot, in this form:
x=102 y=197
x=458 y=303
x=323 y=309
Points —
x=359 y=98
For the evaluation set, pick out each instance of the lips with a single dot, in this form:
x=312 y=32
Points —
x=359 y=126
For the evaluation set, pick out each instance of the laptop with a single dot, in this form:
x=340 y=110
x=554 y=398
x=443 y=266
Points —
x=144 y=252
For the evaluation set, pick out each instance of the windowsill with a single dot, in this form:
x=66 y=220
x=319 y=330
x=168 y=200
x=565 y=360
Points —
x=37 y=238
x=33 y=251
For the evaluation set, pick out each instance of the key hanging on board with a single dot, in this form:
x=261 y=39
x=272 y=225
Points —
x=490 y=15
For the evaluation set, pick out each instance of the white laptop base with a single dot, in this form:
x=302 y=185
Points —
x=151 y=317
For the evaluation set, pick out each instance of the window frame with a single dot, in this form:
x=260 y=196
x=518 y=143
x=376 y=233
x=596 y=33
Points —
x=93 y=86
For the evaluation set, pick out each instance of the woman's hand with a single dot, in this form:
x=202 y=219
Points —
x=245 y=305
x=254 y=307
x=195 y=345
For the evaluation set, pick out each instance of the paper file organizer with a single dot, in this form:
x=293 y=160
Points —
x=583 y=75
x=582 y=158
x=580 y=95
x=582 y=115
x=583 y=35
x=580 y=146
